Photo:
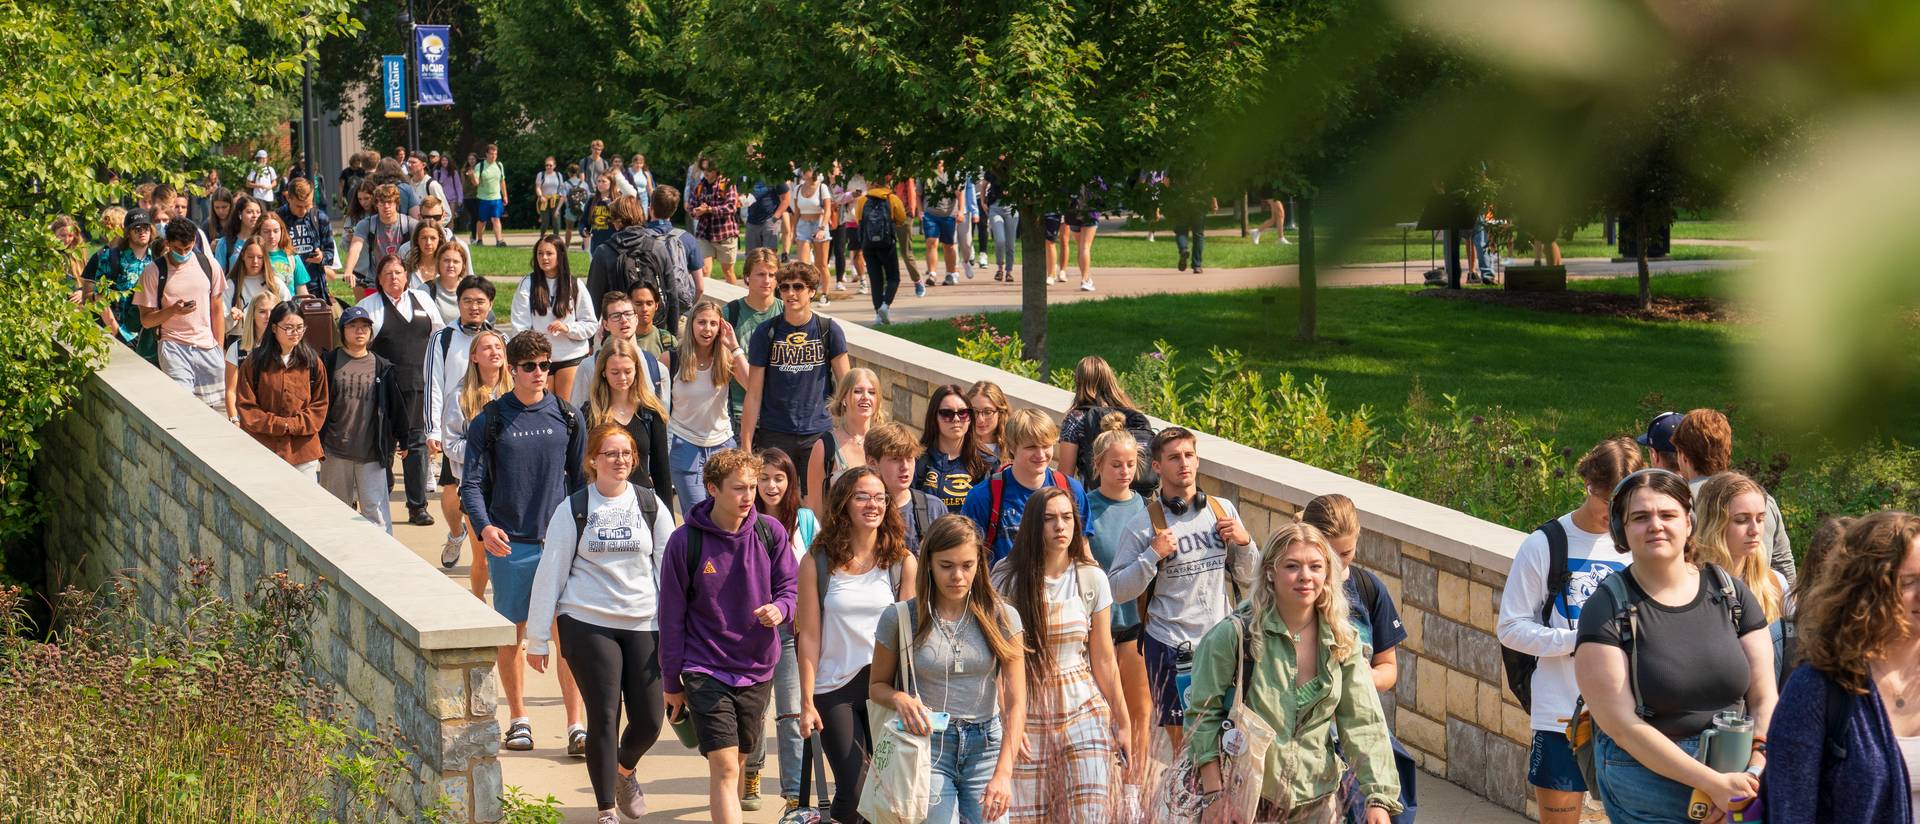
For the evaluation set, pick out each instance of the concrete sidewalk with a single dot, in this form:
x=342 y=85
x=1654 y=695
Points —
x=675 y=777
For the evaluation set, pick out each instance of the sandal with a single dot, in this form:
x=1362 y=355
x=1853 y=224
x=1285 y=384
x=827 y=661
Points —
x=519 y=737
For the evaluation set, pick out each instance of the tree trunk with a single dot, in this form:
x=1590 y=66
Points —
x=1245 y=229
x=1640 y=258
x=1309 y=270
x=1033 y=284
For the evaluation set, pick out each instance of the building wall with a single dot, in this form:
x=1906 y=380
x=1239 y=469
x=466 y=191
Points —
x=1444 y=569
x=140 y=477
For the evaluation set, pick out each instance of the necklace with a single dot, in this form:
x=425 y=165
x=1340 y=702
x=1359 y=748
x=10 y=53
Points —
x=1909 y=689
x=950 y=630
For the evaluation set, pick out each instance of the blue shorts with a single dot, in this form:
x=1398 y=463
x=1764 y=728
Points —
x=934 y=227
x=1631 y=792
x=1550 y=765
x=490 y=210
x=1168 y=709
x=512 y=578
x=1051 y=223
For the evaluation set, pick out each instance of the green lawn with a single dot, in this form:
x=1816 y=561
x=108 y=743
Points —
x=1579 y=378
x=517 y=261
x=1380 y=247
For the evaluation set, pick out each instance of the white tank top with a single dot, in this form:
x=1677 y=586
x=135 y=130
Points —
x=847 y=626
x=806 y=206
x=1910 y=752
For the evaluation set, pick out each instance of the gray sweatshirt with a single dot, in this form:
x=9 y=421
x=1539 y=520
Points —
x=610 y=578
x=1190 y=592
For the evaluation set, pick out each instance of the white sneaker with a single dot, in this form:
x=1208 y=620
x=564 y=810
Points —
x=953 y=279
x=863 y=287
x=883 y=316
x=824 y=301
x=1284 y=241
x=1086 y=286
x=1149 y=237
x=1256 y=237
x=982 y=260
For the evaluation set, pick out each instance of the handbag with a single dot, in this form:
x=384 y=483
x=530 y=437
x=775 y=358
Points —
x=806 y=813
x=898 y=786
x=1242 y=774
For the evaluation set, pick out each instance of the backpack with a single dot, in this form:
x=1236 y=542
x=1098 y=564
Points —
x=997 y=490
x=921 y=510
x=577 y=502
x=1145 y=480
x=876 y=223
x=495 y=426
x=654 y=261
x=1581 y=729
x=1519 y=665
x=1157 y=515
x=696 y=545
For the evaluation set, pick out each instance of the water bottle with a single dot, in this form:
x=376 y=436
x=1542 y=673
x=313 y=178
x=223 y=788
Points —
x=1182 y=672
x=1726 y=747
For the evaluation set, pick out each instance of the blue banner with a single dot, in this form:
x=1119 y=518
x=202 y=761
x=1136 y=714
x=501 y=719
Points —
x=430 y=49
x=393 y=84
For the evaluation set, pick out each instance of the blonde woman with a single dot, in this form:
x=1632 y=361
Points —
x=1731 y=511
x=486 y=379
x=709 y=364
x=422 y=257
x=251 y=329
x=990 y=411
x=856 y=410
x=250 y=278
x=1308 y=677
x=621 y=395
x=272 y=235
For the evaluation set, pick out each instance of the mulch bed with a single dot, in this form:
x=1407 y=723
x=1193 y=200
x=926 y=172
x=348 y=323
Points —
x=1593 y=303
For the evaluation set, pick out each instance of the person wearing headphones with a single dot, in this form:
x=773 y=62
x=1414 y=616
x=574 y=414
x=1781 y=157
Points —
x=1209 y=562
x=1663 y=647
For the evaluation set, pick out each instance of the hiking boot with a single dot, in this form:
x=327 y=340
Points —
x=1183 y=261
x=628 y=798
x=750 y=793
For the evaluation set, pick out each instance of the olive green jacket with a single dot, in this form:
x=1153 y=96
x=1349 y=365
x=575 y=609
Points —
x=1301 y=765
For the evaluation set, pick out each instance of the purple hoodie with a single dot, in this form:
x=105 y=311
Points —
x=713 y=631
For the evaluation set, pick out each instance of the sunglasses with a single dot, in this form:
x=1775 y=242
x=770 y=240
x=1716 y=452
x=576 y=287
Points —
x=433 y=217
x=536 y=366
x=794 y=286
x=955 y=414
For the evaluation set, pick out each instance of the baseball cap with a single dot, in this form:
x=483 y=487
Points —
x=434 y=154
x=260 y=154
x=1659 y=434
x=353 y=313
x=136 y=218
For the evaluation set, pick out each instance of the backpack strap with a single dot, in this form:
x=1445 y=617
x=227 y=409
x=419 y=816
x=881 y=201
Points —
x=1839 y=710
x=1157 y=517
x=1088 y=587
x=696 y=546
x=1627 y=613
x=1735 y=610
x=1558 y=576
x=822 y=571
x=922 y=513
x=1220 y=516
x=1365 y=585
x=997 y=493
x=577 y=502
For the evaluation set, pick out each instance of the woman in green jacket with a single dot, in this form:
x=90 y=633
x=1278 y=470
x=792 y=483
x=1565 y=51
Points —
x=1306 y=678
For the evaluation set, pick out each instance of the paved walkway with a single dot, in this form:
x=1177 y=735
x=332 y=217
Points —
x=676 y=777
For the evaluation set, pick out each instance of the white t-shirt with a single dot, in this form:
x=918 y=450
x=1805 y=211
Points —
x=552 y=184
x=700 y=408
x=847 y=625
x=260 y=182
x=1590 y=559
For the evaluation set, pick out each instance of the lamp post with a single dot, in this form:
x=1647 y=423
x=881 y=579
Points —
x=412 y=81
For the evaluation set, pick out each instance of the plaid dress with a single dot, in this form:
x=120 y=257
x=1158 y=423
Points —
x=1071 y=777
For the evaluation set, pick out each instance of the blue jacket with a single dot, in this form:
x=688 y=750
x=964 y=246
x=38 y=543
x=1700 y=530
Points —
x=1805 y=784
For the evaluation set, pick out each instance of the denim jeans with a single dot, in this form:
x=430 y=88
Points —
x=1480 y=251
x=1005 y=224
x=1194 y=227
x=1634 y=793
x=689 y=462
x=786 y=708
x=963 y=760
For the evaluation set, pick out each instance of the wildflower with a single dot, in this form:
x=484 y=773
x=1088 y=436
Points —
x=1509 y=463
x=1477 y=420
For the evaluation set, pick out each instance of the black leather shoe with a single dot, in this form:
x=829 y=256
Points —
x=420 y=517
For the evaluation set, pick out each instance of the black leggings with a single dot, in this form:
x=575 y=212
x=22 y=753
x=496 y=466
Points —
x=883 y=274
x=845 y=743
x=844 y=241
x=611 y=664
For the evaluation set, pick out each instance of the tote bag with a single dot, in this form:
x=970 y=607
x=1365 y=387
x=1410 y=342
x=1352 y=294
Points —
x=1241 y=775
x=898 y=785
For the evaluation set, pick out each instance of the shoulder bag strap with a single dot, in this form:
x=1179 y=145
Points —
x=904 y=631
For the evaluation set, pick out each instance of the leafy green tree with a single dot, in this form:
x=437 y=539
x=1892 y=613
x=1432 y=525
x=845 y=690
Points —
x=93 y=96
x=1046 y=93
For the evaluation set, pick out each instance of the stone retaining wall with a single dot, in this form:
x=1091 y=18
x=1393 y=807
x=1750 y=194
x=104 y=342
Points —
x=1445 y=569
x=140 y=477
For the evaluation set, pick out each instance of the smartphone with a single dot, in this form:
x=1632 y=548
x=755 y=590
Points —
x=936 y=721
x=190 y=304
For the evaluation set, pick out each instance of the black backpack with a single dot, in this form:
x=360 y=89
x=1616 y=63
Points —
x=577 y=502
x=652 y=261
x=876 y=223
x=1519 y=665
x=696 y=548
x=1145 y=480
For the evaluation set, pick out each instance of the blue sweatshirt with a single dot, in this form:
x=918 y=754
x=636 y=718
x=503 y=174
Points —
x=532 y=467
x=707 y=624
x=1804 y=785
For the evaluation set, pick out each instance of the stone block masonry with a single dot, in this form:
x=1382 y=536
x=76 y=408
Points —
x=1444 y=568
x=140 y=477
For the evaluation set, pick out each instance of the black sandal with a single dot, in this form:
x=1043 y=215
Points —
x=519 y=737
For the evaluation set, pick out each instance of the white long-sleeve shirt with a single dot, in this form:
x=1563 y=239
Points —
x=410 y=301
x=609 y=575
x=1590 y=559
x=580 y=319
x=452 y=430
x=1190 y=593
x=444 y=373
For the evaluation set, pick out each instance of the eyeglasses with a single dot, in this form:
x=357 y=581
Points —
x=292 y=328
x=622 y=316
x=536 y=366
x=986 y=412
x=864 y=499
x=475 y=301
x=794 y=286
x=618 y=455
x=955 y=414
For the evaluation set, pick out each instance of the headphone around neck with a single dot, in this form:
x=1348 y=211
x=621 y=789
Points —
x=1616 y=508
x=1179 y=506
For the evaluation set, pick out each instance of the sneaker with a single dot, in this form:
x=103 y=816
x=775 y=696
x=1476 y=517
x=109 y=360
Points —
x=791 y=805
x=1183 y=261
x=750 y=793
x=882 y=315
x=450 y=551
x=1149 y=237
x=823 y=300
x=919 y=289
x=1198 y=271
x=953 y=279
x=607 y=817
x=784 y=258
x=1256 y=237
x=501 y=244
x=420 y=517
x=863 y=287
x=577 y=742
x=628 y=798
x=969 y=271
x=1086 y=286
x=1284 y=241
x=981 y=261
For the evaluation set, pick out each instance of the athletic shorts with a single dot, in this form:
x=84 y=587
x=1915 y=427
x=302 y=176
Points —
x=200 y=371
x=1082 y=220
x=1051 y=223
x=1126 y=634
x=512 y=579
x=1550 y=764
x=935 y=227
x=490 y=210
x=446 y=471
x=726 y=716
x=569 y=363
x=1168 y=709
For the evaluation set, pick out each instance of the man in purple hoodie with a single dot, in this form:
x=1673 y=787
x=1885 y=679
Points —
x=727 y=583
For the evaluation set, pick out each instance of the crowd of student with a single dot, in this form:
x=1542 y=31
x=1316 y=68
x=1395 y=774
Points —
x=695 y=510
